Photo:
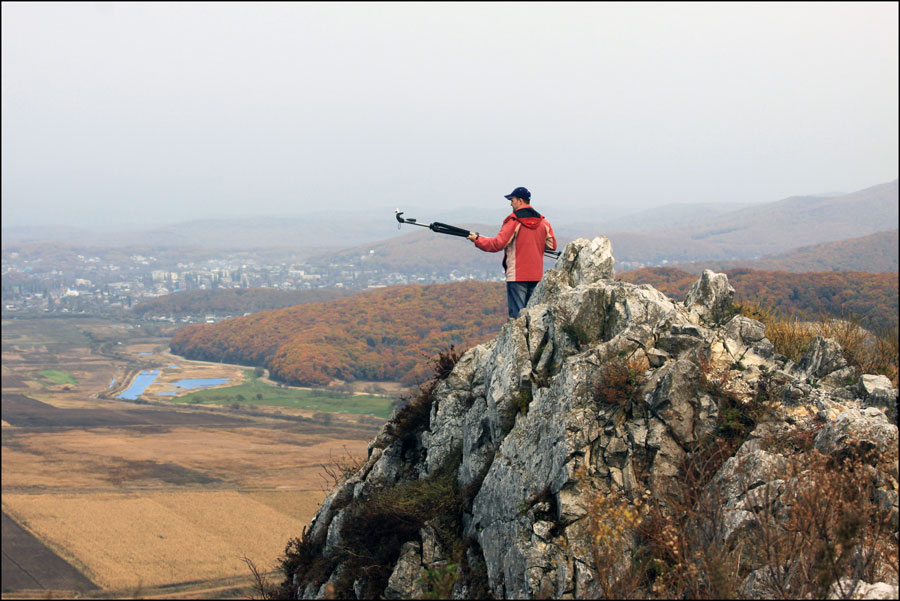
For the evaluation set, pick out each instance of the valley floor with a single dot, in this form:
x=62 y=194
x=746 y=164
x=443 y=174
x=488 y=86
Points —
x=104 y=498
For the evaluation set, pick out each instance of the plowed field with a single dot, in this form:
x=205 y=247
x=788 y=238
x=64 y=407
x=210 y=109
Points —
x=104 y=497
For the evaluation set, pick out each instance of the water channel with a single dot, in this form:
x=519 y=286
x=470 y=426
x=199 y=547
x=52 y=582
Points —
x=199 y=383
x=146 y=378
x=140 y=384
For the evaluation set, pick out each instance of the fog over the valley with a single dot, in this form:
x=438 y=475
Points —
x=143 y=114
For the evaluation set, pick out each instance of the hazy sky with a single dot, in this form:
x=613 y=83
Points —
x=160 y=112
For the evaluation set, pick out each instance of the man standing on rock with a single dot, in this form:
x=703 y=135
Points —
x=523 y=237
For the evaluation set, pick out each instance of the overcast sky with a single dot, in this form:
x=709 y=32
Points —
x=160 y=112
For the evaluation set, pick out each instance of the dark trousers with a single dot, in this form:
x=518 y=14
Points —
x=517 y=295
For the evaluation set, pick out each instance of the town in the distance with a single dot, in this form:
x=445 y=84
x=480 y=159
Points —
x=111 y=276
x=47 y=280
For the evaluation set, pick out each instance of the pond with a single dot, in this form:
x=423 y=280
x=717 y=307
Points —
x=199 y=383
x=140 y=384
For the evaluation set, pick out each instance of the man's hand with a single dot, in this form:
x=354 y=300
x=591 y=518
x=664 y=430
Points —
x=473 y=236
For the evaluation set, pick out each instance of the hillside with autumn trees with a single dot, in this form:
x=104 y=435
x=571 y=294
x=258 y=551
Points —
x=383 y=335
x=234 y=300
x=388 y=334
x=870 y=298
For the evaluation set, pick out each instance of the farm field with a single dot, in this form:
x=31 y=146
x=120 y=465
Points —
x=107 y=498
x=158 y=531
x=256 y=392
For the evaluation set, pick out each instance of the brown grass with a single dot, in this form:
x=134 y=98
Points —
x=125 y=540
x=868 y=352
x=617 y=380
x=298 y=504
x=826 y=522
x=252 y=458
x=138 y=507
x=833 y=527
x=610 y=522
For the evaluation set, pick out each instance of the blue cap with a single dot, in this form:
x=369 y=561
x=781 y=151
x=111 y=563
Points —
x=519 y=192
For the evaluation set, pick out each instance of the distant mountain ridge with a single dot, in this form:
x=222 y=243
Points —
x=672 y=233
x=801 y=221
x=667 y=216
x=320 y=230
x=747 y=233
x=876 y=253
x=323 y=228
x=715 y=241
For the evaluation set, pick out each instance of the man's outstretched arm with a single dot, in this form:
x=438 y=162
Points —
x=497 y=243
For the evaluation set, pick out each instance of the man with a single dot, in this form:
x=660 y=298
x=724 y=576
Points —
x=523 y=237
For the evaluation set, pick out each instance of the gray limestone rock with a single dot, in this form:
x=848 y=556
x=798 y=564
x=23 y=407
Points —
x=885 y=400
x=866 y=430
x=445 y=437
x=657 y=357
x=711 y=296
x=847 y=588
x=761 y=583
x=869 y=383
x=336 y=500
x=404 y=582
x=582 y=261
x=823 y=357
x=673 y=398
x=877 y=391
x=675 y=344
x=745 y=329
x=333 y=538
x=535 y=440
x=432 y=552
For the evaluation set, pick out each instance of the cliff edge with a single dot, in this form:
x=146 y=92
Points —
x=614 y=442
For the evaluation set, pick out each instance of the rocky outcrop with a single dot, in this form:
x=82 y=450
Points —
x=600 y=389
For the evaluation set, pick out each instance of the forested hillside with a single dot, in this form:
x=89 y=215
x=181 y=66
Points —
x=235 y=301
x=386 y=334
x=870 y=297
x=383 y=334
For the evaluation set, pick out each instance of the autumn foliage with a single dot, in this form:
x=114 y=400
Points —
x=385 y=334
x=870 y=298
x=390 y=333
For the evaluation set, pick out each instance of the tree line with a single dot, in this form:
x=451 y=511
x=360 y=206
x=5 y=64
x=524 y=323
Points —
x=390 y=334
x=383 y=335
x=870 y=298
x=236 y=301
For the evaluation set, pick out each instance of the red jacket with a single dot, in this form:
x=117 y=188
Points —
x=524 y=235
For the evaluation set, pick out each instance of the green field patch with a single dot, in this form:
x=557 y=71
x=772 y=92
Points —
x=57 y=376
x=254 y=392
